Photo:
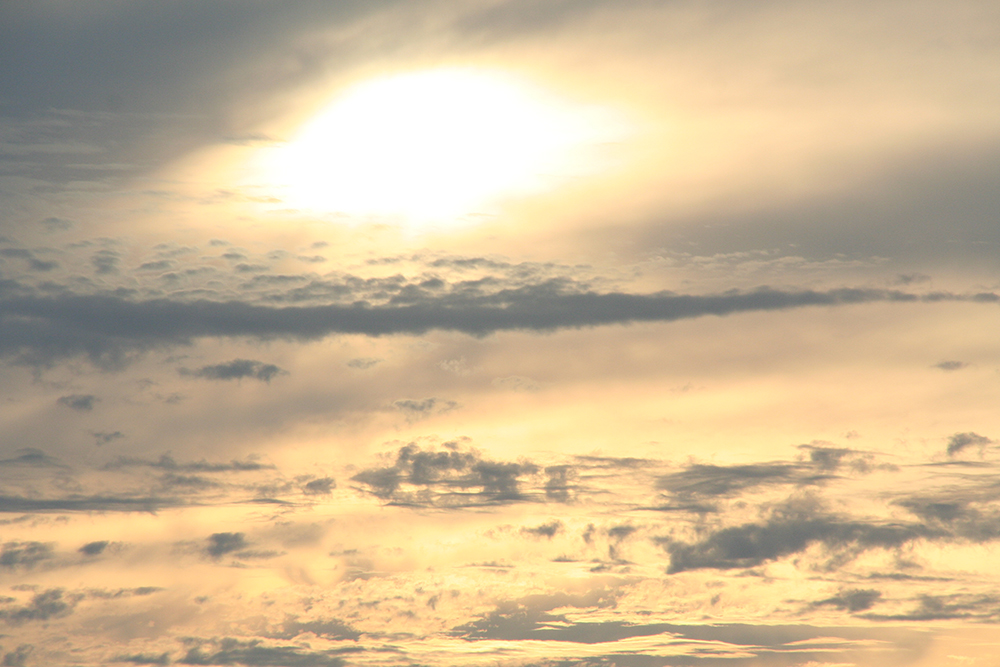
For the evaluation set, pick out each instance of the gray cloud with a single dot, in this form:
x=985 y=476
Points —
x=963 y=515
x=362 y=362
x=852 y=600
x=145 y=658
x=156 y=265
x=548 y=530
x=19 y=656
x=81 y=402
x=950 y=365
x=321 y=486
x=515 y=383
x=78 y=503
x=237 y=369
x=43 y=606
x=167 y=462
x=328 y=629
x=707 y=481
x=559 y=486
x=105 y=262
x=253 y=652
x=115 y=594
x=522 y=619
x=829 y=459
x=415 y=409
x=981 y=608
x=712 y=480
x=24 y=554
x=786 y=645
x=105 y=327
x=220 y=544
x=34 y=263
x=57 y=224
x=786 y=532
x=962 y=441
x=454 y=477
x=186 y=483
x=30 y=456
x=94 y=548
x=104 y=437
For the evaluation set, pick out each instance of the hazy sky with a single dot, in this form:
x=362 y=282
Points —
x=535 y=333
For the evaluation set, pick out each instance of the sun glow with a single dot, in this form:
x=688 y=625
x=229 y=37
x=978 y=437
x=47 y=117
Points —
x=439 y=145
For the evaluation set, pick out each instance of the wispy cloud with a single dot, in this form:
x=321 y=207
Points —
x=237 y=369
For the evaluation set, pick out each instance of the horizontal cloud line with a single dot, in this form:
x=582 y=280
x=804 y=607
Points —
x=85 y=504
x=45 y=328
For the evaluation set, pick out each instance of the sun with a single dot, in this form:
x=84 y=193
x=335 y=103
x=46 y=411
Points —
x=438 y=146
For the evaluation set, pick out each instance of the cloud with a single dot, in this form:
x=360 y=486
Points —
x=187 y=483
x=515 y=383
x=82 y=402
x=548 y=530
x=145 y=658
x=911 y=278
x=950 y=365
x=740 y=644
x=320 y=486
x=363 y=363
x=104 y=437
x=19 y=656
x=559 y=486
x=94 y=548
x=43 y=606
x=34 y=263
x=829 y=459
x=78 y=503
x=24 y=555
x=961 y=515
x=156 y=265
x=416 y=409
x=712 y=480
x=981 y=608
x=328 y=629
x=237 y=369
x=105 y=262
x=56 y=224
x=29 y=456
x=252 y=653
x=115 y=594
x=961 y=441
x=525 y=618
x=788 y=531
x=106 y=327
x=220 y=544
x=852 y=600
x=452 y=477
x=167 y=462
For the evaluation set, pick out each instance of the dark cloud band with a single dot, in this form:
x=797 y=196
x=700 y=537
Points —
x=108 y=327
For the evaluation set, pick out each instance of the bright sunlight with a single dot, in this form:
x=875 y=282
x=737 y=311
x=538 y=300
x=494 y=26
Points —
x=433 y=147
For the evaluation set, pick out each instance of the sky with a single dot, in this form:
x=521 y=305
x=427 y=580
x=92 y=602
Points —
x=499 y=332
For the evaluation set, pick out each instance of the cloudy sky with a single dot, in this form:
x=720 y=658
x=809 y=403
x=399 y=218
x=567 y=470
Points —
x=499 y=332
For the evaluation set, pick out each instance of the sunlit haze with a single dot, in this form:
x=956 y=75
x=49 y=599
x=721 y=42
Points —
x=433 y=146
